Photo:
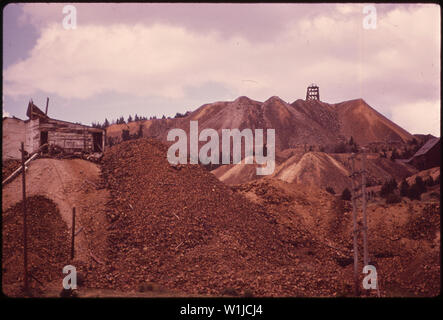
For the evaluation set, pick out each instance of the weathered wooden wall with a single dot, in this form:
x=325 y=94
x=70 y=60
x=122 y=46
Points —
x=69 y=136
x=32 y=135
x=16 y=131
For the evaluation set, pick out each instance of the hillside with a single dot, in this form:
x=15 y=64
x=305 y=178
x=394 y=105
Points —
x=315 y=169
x=366 y=125
x=298 y=123
x=404 y=238
x=333 y=170
x=148 y=228
x=320 y=169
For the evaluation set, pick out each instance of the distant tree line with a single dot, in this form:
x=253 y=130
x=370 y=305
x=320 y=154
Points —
x=120 y=120
x=182 y=115
x=106 y=123
x=413 y=192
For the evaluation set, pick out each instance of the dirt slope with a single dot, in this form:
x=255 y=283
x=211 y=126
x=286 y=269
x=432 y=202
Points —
x=425 y=174
x=68 y=183
x=184 y=229
x=365 y=124
x=333 y=170
x=235 y=174
x=317 y=169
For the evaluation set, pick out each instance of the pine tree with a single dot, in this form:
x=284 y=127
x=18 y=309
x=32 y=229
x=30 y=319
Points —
x=404 y=188
x=429 y=181
x=351 y=141
x=125 y=135
x=346 y=194
x=420 y=184
x=388 y=187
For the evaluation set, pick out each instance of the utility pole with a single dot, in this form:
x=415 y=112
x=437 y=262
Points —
x=73 y=234
x=25 y=235
x=365 y=223
x=355 y=230
x=355 y=188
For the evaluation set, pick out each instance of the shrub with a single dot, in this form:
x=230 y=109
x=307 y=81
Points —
x=404 y=188
x=340 y=148
x=393 y=198
x=414 y=192
x=429 y=182
x=351 y=141
x=394 y=154
x=346 y=194
x=125 y=135
x=140 y=131
x=420 y=184
x=388 y=187
x=330 y=190
x=434 y=195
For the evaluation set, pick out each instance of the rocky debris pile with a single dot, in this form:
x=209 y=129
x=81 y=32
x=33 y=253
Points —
x=270 y=194
x=316 y=217
x=48 y=245
x=424 y=225
x=178 y=226
x=404 y=241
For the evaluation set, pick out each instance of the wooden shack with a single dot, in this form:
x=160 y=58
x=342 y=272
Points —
x=39 y=129
x=428 y=156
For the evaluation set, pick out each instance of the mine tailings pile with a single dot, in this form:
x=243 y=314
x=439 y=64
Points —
x=180 y=227
x=48 y=246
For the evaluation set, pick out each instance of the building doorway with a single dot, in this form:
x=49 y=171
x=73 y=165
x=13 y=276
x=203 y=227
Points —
x=44 y=140
x=97 y=141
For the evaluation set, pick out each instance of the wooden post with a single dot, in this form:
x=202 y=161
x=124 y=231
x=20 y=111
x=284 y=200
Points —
x=355 y=231
x=84 y=139
x=25 y=235
x=73 y=233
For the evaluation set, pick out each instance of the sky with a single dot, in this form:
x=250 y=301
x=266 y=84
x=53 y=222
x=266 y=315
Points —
x=160 y=59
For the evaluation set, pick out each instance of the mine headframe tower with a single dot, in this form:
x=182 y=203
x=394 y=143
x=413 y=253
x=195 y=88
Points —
x=313 y=92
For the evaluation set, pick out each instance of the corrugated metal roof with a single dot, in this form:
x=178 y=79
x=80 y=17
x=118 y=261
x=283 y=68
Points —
x=426 y=147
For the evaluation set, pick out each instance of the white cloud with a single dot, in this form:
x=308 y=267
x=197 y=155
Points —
x=347 y=9
x=418 y=117
x=402 y=57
